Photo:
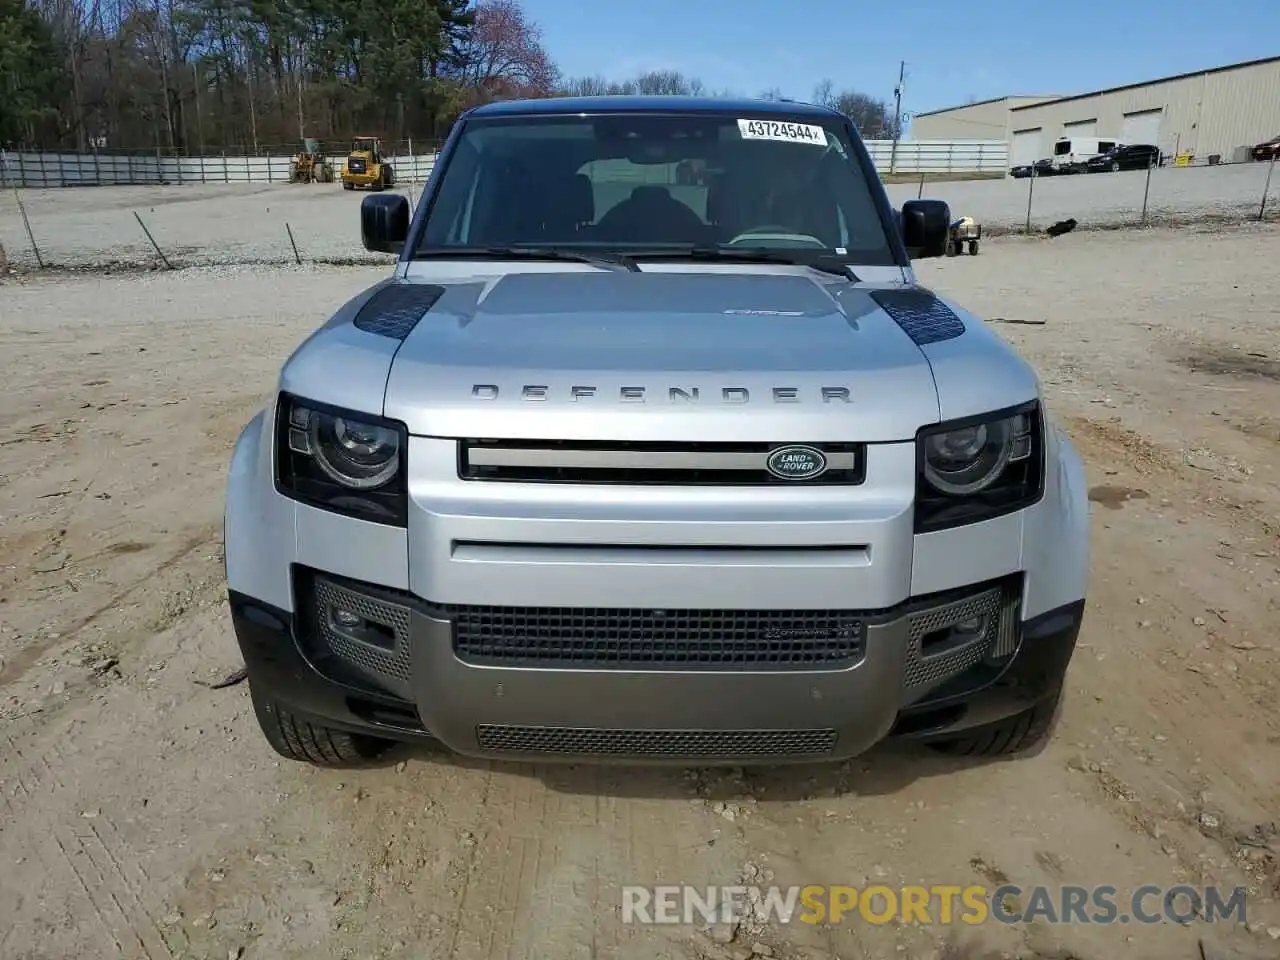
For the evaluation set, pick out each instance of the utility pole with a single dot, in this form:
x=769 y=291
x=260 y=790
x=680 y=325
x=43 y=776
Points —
x=897 y=114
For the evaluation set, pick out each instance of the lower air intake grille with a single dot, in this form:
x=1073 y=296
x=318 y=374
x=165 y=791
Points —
x=636 y=638
x=580 y=741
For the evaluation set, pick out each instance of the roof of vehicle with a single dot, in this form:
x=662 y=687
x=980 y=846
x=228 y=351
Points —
x=650 y=104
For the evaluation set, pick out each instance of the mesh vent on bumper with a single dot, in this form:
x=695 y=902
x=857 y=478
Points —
x=937 y=651
x=577 y=741
x=638 y=638
x=387 y=663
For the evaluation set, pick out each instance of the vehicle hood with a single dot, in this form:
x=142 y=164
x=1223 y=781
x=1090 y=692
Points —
x=661 y=355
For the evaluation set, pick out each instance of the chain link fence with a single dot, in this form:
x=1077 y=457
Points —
x=225 y=220
x=1165 y=195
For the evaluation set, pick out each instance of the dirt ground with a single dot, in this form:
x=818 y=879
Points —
x=144 y=816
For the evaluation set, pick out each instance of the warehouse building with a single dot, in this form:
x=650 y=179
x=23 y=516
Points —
x=1219 y=112
x=983 y=120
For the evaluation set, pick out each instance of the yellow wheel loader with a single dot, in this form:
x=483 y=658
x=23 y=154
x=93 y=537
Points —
x=310 y=165
x=367 y=167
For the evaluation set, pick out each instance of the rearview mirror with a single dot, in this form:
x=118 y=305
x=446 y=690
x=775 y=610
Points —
x=384 y=222
x=926 y=228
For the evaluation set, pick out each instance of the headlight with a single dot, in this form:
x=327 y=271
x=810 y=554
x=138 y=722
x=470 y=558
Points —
x=979 y=468
x=342 y=461
x=354 y=453
x=965 y=460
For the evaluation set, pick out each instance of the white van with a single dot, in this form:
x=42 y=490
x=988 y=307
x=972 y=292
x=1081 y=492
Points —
x=1070 y=154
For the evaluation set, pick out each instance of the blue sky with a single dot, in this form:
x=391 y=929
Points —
x=954 y=50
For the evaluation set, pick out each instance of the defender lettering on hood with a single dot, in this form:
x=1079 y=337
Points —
x=656 y=357
x=536 y=392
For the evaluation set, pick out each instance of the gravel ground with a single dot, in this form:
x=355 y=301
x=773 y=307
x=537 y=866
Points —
x=144 y=816
x=220 y=224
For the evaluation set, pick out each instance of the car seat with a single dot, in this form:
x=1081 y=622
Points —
x=651 y=215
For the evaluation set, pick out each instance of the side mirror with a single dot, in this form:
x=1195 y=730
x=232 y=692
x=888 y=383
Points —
x=384 y=222
x=926 y=228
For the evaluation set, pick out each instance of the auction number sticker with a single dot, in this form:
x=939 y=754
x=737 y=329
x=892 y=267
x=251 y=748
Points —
x=779 y=130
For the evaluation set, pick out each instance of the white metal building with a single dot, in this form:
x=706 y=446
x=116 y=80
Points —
x=1217 y=112
x=982 y=120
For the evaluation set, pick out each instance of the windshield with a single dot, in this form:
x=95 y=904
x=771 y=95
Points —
x=1061 y=147
x=635 y=182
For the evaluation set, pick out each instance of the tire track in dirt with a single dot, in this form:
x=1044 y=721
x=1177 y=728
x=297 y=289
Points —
x=1181 y=631
x=31 y=653
x=51 y=851
x=94 y=857
x=118 y=857
x=1108 y=444
x=554 y=849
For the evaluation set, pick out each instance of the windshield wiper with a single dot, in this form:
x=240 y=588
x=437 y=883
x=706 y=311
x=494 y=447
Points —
x=825 y=263
x=528 y=253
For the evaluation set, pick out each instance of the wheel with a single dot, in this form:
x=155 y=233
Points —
x=1016 y=734
x=973 y=248
x=296 y=739
x=348 y=186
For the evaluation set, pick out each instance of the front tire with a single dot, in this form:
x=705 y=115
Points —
x=296 y=739
x=1016 y=734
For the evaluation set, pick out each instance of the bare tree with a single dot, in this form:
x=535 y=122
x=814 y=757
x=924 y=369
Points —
x=873 y=118
x=588 y=87
x=668 y=82
x=649 y=83
x=504 y=56
x=824 y=93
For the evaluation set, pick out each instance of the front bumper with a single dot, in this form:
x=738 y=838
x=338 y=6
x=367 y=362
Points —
x=497 y=683
x=521 y=662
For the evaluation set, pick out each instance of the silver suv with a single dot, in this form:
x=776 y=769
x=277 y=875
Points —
x=651 y=448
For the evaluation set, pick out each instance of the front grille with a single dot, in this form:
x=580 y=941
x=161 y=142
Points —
x=620 y=638
x=582 y=741
x=620 y=462
x=355 y=165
